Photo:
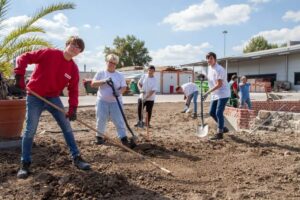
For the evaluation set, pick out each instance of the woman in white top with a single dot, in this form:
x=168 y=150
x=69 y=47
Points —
x=107 y=105
x=220 y=93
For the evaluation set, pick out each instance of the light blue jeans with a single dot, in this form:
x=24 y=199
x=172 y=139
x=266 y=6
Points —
x=247 y=101
x=193 y=96
x=217 y=108
x=34 y=109
x=109 y=110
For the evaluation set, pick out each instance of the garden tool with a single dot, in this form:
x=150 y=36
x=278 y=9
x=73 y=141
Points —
x=202 y=130
x=142 y=157
x=140 y=123
x=134 y=137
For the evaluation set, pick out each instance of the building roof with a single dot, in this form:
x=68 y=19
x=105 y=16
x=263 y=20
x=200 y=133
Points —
x=252 y=56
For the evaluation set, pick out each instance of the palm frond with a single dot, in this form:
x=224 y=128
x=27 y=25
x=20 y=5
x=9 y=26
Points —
x=6 y=68
x=49 y=9
x=19 y=47
x=15 y=34
x=3 y=9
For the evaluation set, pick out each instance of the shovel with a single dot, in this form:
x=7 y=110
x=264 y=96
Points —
x=134 y=137
x=202 y=130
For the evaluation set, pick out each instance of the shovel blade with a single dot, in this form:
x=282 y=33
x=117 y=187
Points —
x=202 y=131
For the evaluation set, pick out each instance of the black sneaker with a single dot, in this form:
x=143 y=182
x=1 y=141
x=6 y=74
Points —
x=23 y=172
x=218 y=136
x=80 y=163
x=225 y=129
x=99 y=140
x=125 y=142
x=140 y=124
x=194 y=116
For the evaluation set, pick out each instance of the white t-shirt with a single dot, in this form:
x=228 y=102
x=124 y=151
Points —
x=215 y=73
x=189 y=88
x=105 y=92
x=148 y=84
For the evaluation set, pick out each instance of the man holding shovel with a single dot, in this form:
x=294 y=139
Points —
x=54 y=70
x=220 y=93
x=148 y=87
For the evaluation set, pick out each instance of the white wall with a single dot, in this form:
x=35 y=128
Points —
x=169 y=78
x=184 y=78
x=157 y=76
x=276 y=64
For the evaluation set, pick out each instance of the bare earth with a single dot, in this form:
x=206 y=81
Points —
x=259 y=166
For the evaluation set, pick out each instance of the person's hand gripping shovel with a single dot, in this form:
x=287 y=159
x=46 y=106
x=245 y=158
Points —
x=202 y=130
x=116 y=94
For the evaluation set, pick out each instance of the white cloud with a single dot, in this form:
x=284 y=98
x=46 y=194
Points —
x=281 y=35
x=291 y=15
x=56 y=28
x=97 y=27
x=208 y=13
x=87 y=26
x=278 y=36
x=179 y=54
x=259 y=1
x=94 y=60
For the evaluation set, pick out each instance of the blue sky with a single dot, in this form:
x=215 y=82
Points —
x=175 y=31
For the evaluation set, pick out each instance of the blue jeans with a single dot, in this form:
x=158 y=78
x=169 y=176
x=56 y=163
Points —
x=217 y=108
x=193 y=96
x=34 y=109
x=247 y=101
x=109 y=110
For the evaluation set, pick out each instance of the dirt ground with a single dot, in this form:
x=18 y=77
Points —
x=242 y=166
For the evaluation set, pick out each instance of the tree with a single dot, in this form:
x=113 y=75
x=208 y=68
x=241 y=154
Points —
x=257 y=44
x=20 y=40
x=132 y=51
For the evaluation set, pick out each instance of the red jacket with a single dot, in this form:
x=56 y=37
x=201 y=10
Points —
x=52 y=73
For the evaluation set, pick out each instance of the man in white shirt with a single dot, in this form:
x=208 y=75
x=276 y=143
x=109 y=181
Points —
x=220 y=93
x=190 y=91
x=148 y=87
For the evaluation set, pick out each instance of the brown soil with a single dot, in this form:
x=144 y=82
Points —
x=242 y=166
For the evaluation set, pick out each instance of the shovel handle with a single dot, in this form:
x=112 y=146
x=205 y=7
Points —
x=105 y=137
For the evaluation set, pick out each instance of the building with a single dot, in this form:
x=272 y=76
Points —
x=280 y=64
x=168 y=78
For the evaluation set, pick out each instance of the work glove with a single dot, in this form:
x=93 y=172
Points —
x=204 y=96
x=20 y=81
x=72 y=113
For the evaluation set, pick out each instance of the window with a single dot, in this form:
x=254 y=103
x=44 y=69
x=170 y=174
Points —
x=297 y=78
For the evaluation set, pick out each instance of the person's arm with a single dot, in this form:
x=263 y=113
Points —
x=26 y=59
x=140 y=83
x=73 y=88
x=149 y=94
x=235 y=90
x=217 y=86
x=22 y=62
x=97 y=83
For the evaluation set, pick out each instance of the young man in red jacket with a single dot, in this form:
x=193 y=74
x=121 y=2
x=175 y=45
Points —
x=54 y=70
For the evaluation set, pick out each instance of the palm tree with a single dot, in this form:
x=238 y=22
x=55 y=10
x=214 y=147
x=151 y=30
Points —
x=20 y=40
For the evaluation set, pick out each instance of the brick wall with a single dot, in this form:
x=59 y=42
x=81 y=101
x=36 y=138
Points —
x=288 y=106
x=239 y=118
x=242 y=118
